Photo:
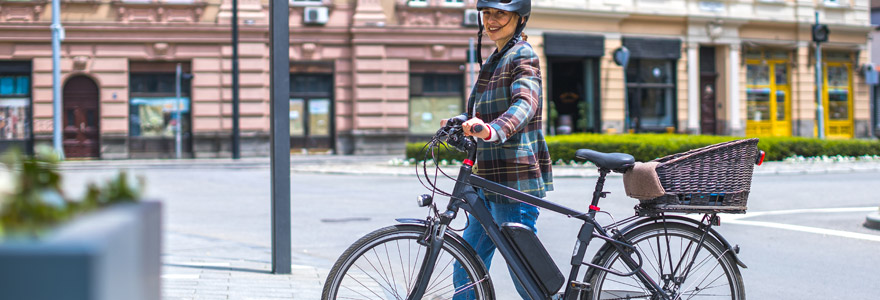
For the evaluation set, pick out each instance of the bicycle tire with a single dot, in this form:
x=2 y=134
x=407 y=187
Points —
x=667 y=241
x=361 y=273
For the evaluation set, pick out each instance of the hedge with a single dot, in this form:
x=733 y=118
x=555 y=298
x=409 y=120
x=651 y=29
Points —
x=645 y=147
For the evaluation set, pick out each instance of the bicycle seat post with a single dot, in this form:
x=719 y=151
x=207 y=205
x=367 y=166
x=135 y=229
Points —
x=598 y=193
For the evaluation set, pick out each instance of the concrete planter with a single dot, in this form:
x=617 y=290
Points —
x=107 y=255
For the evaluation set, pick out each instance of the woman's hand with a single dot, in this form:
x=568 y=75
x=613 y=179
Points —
x=467 y=126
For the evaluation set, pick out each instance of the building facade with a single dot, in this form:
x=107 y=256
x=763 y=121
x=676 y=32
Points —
x=368 y=75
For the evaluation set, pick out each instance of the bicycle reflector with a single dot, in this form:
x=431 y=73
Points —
x=760 y=159
x=425 y=200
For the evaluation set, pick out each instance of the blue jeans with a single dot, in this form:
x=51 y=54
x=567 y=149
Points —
x=475 y=236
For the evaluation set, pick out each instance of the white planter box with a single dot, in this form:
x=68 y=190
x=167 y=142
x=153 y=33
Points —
x=106 y=255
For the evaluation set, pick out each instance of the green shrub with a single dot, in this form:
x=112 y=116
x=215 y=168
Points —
x=32 y=200
x=645 y=147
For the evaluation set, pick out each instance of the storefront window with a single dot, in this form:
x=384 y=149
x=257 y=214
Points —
x=153 y=105
x=651 y=94
x=311 y=110
x=433 y=97
x=14 y=104
x=157 y=116
x=838 y=93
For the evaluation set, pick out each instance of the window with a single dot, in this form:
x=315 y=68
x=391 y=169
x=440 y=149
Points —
x=14 y=106
x=651 y=94
x=834 y=2
x=453 y=2
x=433 y=97
x=153 y=105
x=311 y=108
x=419 y=3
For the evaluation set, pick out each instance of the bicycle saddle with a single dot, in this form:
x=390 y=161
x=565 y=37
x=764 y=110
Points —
x=618 y=162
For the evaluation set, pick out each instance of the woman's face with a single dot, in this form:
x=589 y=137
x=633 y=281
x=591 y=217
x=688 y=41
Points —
x=499 y=24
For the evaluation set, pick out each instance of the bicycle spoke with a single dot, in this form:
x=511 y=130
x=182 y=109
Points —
x=393 y=286
x=402 y=271
x=437 y=282
x=649 y=261
x=385 y=277
x=366 y=287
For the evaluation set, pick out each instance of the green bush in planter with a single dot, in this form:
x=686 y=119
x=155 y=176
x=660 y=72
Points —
x=31 y=198
x=645 y=147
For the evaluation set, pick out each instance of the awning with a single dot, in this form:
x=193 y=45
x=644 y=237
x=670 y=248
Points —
x=652 y=48
x=573 y=45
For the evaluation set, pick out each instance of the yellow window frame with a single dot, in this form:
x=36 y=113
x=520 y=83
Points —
x=840 y=129
x=772 y=126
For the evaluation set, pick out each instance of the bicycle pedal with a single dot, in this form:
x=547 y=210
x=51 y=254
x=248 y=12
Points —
x=581 y=286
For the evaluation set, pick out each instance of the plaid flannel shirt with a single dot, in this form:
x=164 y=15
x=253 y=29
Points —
x=508 y=97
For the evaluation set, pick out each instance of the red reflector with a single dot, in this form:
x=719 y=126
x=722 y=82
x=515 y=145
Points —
x=593 y=207
x=468 y=162
x=761 y=161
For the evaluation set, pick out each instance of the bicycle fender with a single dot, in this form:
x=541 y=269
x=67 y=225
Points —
x=712 y=231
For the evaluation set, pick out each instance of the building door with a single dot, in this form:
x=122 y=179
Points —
x=838 y=100
x=81 y=132
x=708 y=119
x=573 y=105
x=708 y=90
x=768 y=94
x=311 y=112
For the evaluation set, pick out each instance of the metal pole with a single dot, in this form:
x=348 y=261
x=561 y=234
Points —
x=57 y=36
x=279 y=97
x=626 y=107
x=472 y=59
x=236 y=135
x=820 y=112
x=177 y=148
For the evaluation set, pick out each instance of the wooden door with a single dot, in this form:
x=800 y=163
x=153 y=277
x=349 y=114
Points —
x=81 y=132
x=708 y=118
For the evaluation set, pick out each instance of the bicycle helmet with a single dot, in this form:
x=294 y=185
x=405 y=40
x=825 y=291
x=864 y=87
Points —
x=521 y=7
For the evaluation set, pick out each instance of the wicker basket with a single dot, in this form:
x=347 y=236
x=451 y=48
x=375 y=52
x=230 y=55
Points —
x=712 y=179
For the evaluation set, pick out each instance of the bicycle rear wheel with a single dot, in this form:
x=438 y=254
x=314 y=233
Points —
x=674 y=258
x=385 y=264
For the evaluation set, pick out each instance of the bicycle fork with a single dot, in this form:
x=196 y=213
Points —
x=434 y=241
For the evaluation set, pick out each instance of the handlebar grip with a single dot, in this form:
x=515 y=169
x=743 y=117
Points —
x=477 y=128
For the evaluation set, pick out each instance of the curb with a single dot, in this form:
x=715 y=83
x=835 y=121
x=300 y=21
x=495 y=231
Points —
x=872 y=221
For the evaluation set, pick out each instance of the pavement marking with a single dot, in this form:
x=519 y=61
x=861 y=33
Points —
x=801 y=211
x=180 y=276
x=738 y=219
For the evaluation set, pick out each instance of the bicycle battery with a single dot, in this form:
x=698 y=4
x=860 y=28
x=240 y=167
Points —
x=535 y=256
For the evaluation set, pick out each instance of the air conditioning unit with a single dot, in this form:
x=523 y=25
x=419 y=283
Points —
x=471 y=18
x=315 y=15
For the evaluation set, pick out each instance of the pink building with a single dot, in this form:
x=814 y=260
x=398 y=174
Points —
x=368 y=75
x=354 y=75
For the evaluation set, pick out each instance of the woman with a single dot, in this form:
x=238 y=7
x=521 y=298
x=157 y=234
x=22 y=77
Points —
x=506 y=101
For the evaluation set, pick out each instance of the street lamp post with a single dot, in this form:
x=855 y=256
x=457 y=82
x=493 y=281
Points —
x=820 y=34
x=57 y=36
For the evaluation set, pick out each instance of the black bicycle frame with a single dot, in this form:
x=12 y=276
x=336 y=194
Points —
x=465 y=197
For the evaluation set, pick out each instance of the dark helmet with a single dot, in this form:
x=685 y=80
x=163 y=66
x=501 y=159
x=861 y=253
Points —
x=521 y=7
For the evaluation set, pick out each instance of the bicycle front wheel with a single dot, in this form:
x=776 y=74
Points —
x=676 y=260
x=385 y=265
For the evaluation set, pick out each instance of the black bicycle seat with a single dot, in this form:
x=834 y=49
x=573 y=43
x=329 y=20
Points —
x=612 y=161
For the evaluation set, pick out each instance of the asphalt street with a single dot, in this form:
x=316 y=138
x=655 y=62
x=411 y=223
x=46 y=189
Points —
x=807 y=244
